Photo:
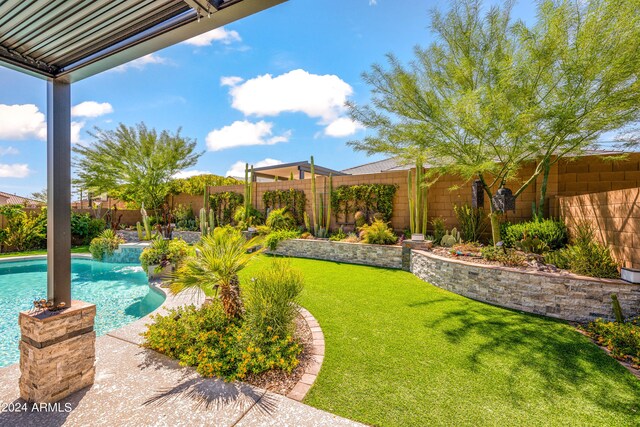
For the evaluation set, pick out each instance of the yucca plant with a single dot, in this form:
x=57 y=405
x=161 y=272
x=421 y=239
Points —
x=215 y=269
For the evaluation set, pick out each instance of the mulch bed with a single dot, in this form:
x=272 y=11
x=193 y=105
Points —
x=278 y=381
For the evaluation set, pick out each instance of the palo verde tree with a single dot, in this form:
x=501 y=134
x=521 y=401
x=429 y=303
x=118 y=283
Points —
x=134 y=164
x=490 y=94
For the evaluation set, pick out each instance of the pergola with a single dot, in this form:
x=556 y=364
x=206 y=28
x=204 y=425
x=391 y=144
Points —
x=65 y=41
x=300 y=170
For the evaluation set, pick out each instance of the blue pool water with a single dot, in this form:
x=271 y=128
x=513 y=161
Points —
x=120 y=292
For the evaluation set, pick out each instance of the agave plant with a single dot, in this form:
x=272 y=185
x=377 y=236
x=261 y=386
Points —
x=220 y=256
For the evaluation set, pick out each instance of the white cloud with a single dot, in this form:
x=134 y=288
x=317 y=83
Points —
x=237 y=169
x=91 y=109
x=343 y=126
x=189 y=174
x=230 y=81
x=373 y=2
x=16 y=170
x=4 y=151
x=27 y=122
x=296 y=91
x=218 y=35
x=244 y=133
x=22 y=122
x=141 y=62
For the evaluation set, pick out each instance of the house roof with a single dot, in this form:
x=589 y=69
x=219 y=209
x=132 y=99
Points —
x=395 y=164
x=385 y=165
x=14 y=199
x=76 y=39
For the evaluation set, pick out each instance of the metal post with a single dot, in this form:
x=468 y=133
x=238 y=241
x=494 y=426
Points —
x=59 y=191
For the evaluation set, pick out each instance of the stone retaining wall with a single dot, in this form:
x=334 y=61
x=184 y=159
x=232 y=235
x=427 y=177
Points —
x=353 y=253
x=569 y=297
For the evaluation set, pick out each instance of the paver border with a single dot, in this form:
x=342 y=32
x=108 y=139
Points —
x=302 y=387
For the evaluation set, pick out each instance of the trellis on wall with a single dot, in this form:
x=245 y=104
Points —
x=294 y=200
x=346 y=200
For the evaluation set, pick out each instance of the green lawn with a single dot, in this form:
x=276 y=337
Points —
x=402 y=352
x=74 y=250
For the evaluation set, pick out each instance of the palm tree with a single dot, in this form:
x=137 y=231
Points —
x=220 y=256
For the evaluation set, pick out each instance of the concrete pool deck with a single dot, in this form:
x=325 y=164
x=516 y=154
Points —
x=135 y=386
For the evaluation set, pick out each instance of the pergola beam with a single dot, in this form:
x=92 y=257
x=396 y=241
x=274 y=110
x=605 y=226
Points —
x=59 y=191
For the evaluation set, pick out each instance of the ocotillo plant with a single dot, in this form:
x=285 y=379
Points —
x=417 y=200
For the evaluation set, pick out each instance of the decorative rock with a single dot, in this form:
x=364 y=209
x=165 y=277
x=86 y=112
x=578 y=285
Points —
x=57 y=352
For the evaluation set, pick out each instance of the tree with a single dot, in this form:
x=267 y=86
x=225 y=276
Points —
x=195 y=185
x=460 y=104
x=134 y=164
x=221 y=257
x=491 y=95
x=40 y=196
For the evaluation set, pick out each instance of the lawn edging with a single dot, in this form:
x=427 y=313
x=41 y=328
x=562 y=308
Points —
x=563 y=296
x=300 y=390
x=389 y=256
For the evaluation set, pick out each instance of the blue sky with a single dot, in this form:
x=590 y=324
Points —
x=269 y=88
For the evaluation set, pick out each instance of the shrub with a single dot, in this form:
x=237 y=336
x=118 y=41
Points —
x=105 y=244
x=218 y=346
x=255 y=217
x=378 y=233
x=506 y=256
x=24 y=230
x=622 y=339
x=553 y=233
x=585 y=256
x=275 y=237
x=280 y=219
x=338 y=235
x=85 y=228
x=439 y=230
x=271 y=299
x=351 y=238
x=163 y=252
x=559 y=258
x=184 y=218
x=472 y=222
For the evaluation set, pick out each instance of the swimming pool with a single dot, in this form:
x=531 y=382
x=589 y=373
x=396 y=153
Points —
x=120 y=292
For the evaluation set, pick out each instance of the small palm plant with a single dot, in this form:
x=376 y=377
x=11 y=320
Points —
x=220 y=257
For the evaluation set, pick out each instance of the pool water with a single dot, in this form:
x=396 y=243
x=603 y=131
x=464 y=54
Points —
x=120 y=292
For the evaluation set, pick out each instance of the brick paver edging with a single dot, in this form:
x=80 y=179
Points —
x=311 y=372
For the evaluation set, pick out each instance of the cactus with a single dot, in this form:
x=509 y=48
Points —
x=248 y=191
x=146 y=222
x=532 y=245
x=617 y=309
x=307 y=222
x=418 y=193
x=204 y=227
x=450 y=239
x=314 y=199
x=139 y=229
x=329 y=196
x=212 y=220
x=291 y=177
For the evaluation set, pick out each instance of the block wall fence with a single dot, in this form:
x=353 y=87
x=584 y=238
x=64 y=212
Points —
x=568 y=177
x=614 y=215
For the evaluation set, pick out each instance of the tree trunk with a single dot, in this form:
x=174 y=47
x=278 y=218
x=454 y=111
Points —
x=494 y=216
x=543 y=188
x=231 y=300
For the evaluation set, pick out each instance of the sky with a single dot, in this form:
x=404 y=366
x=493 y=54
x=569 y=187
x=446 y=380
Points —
x=267 y=89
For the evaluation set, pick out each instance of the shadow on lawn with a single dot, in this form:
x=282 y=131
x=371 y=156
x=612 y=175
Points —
x=543 y=348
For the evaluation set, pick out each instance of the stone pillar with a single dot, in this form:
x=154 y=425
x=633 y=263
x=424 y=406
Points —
x=57 y=352
x=408 y=246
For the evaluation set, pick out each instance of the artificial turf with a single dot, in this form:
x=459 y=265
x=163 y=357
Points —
x=402 y=352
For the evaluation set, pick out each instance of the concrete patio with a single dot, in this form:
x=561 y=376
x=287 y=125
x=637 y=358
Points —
x=135 y=386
